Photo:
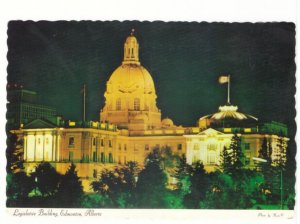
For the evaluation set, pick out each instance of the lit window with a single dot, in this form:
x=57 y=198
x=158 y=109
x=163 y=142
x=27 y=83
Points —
x=71 y=155
x=196 y=146
x=212 y=147
x=71 y=141
x=118 y=104
x=110 y=158
x=102 y=157
x=136 y=104
x=247 y=146
x=211 y=158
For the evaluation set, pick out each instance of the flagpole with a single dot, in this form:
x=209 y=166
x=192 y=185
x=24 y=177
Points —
x=228 y=90
x=84 y=103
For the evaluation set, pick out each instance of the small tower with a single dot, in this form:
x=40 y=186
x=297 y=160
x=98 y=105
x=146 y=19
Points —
x=131 y=50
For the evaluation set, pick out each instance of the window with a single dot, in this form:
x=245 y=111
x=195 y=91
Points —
x=247 y=146
x=195 y=159
x=109 y=143
x=119 y=146
x=94 y=157
x=212 y=147
x=179 y=146
x=94 y=141
x=211 y=158
x=95 y=173
x=147 y=147
x=118 y=104
x=102 y=142
x=110 y=158
x=102 y=157
x=196 y=146
x=47 y=141
x=71 y=154
x=71 y=141
x=136 y=104
x=124 y=159
x=38 y=141
x=125 y=147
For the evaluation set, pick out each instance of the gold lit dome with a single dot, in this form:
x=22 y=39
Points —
x=130 y=78
x=167 y=122
x=130 y=91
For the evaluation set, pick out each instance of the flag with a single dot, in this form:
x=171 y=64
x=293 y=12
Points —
x=223 y=79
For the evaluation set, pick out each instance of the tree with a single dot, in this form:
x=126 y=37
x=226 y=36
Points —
x=14 y=153
x=280 y=153
x=46 y=179
x=117 y=185
x=183 y=173
x=236 y=154
x=19 y=185
x=70 y=189
x=230 y=192
x=199 y=185
x=150 y=189
x=225 y=160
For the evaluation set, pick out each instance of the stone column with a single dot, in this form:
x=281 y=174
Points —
x=25 y=146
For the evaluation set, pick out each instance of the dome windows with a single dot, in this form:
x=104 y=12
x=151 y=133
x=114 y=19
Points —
x=136 y=104
x=118 y=104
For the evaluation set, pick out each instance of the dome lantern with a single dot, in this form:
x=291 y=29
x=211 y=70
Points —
x=131 y=50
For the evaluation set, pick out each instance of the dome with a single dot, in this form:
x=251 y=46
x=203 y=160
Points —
x=227 y=116
x=129 y=78
x=230 y=111
x=167 y=122
x=130 y=91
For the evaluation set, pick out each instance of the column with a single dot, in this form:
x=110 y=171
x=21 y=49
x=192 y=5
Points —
x=25 y=147
x=34 y=147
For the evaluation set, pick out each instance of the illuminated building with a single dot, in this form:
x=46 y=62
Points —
x=22 y=107
x=130 y=127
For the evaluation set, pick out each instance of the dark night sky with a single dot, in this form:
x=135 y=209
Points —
x=185 y=60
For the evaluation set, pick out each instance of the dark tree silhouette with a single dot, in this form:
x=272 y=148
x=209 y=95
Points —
x=225 y=160
x=14 y=153
x=70 y=189
x=118 y=184
x=199 y=185
x=150 y=189
x=46 y=179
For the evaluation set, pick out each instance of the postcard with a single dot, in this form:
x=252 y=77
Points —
x=141 y=119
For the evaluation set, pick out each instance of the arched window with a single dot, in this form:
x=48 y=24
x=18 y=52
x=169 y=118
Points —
x=118 y=104
x=136 y=104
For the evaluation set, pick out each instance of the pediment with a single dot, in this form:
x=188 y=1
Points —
x=39 y=123
x=210 y=132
